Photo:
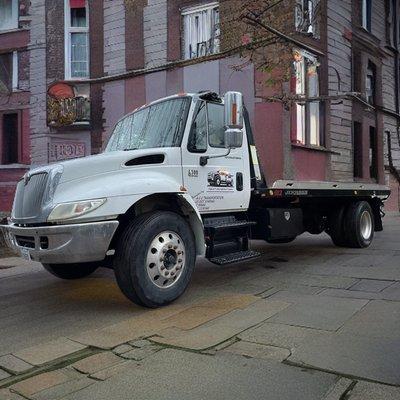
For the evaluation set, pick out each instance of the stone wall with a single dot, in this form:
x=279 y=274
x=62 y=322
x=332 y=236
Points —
x=339 y=64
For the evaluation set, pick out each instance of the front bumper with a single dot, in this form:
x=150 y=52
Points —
x=59 y=244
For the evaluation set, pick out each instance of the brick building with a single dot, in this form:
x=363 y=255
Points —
x=84 y=64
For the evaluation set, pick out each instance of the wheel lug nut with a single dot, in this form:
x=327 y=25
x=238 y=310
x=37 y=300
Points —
x=175 y=247
x=179 y=261
x=172 y=273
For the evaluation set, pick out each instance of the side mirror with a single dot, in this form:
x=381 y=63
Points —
x=233 y=120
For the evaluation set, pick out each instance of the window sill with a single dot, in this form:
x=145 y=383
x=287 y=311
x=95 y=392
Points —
x=14 y=166
x=13 y=30
x=314 y=148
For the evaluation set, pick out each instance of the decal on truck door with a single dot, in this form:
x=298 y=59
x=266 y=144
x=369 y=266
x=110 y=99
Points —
x=220 y=180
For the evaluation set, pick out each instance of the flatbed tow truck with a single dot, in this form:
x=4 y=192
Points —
x=149 y=204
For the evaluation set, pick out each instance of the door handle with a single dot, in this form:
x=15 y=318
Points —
x=239 y=181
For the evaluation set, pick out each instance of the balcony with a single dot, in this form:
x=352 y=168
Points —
x=68 y=106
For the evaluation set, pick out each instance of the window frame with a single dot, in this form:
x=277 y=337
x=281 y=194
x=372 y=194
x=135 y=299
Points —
x=187 y=11
x=68 y=31
x=366 y=15
x=303 y=110
x=189 y=147
x=15 y=17
x=309 y=6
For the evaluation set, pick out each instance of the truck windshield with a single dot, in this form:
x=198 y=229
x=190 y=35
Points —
x=158 y=125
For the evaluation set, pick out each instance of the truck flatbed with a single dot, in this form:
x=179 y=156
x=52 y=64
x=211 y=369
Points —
x=287 y=188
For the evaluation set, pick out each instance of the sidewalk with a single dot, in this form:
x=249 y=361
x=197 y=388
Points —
x=305 y=321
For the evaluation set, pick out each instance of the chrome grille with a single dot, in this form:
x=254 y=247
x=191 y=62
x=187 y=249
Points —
x=29 y=196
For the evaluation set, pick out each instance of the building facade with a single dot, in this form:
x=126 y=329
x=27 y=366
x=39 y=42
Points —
x=83 y=64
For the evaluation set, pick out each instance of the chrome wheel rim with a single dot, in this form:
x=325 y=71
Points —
x=366 y=225
x=165 y=260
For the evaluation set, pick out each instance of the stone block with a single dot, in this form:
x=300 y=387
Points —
x=48 y=352
x=97 y=362
x=13 y=364
x=255 y=350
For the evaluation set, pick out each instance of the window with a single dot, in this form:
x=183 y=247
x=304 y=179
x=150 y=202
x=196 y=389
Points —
x=306 y=20
x=357 y=150
x=8 y=72
x=158 y=125
x=76 y=39
x=201 y=30
x=370 y=84
x=209 y=121
x=10 y=139
x=366 y=13
x=8 y=14
x=308 y=112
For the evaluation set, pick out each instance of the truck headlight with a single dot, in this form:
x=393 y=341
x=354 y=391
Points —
x=66 y=211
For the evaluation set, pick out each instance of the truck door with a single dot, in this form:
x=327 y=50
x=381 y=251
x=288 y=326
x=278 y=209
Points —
x=223 y=184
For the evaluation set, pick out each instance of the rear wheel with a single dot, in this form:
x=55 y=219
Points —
x=155 y=258
x=71 y=271
x=359 y=225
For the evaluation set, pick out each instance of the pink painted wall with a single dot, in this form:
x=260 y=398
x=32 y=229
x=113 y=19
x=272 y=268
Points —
x=268 y=137
x=309 y=165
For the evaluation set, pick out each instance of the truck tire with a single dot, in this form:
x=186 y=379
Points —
x=155 y=258
x=359 y=225
x=71 y=271
x=336 y=227
x=217 y=180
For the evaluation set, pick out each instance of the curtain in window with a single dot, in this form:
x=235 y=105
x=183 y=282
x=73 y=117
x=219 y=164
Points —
x=201 y=31
x=79 y=55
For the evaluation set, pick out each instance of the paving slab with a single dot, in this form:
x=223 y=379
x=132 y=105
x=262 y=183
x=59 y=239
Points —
x=255 y=350
x=97 y=362
x=44 y=381
x=280 y=335
x=109 y=372
x=47 y=352
x=350 y=294
x=141 y=353
x=371 y=285
x=4 y=374
x=13 y=364
x=379 y=319
x=123 y=348
x=392 y=292
x=5 y=394
x=199 y=377
x=358 y=356
x=285 y=278
x=319 y=312
x=374 y=391
x=222 y=328
x=64 y=389
x=338 y=391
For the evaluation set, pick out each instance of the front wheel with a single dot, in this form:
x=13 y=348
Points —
x=71 y=271
x=155 y=258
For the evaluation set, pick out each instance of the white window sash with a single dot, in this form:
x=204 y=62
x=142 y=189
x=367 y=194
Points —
x=13 y=22
x=364 y=14
x=15 y=71
x=69 y=30
x=199 y=24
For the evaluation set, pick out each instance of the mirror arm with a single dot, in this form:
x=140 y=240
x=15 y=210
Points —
x=204 y=159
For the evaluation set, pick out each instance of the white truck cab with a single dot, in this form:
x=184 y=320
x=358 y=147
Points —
x=179 y=178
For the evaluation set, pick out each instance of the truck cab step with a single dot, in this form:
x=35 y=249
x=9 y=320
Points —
x=235 y=257
x=230 y=224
